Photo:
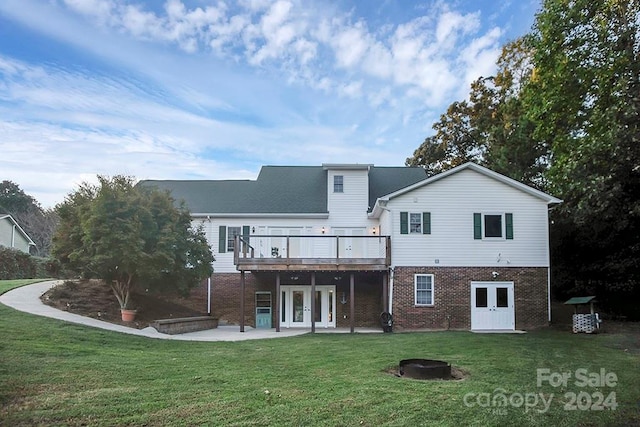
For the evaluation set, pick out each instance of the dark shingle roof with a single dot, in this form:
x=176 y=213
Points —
x=386 y=180
x=279 y=190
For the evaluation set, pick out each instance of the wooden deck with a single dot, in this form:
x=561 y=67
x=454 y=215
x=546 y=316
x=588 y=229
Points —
x=331 y=257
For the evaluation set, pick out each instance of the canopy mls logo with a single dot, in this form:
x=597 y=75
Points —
x=584 y=400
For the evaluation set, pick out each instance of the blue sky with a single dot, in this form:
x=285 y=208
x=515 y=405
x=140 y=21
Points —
x=207 y=89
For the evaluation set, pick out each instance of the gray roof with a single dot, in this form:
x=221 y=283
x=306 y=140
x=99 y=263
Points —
x=279 y=190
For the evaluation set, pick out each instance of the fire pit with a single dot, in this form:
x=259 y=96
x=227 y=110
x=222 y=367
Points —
x=425 y=369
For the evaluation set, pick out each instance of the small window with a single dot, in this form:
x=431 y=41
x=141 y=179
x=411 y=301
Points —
x=415 y=223
x=502 y=297
x=481 y=297
x=338 y=184
x=493 y=226
x=424 y=289
x=232 y=232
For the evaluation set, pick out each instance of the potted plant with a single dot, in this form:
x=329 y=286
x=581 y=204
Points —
x=128 y=315
x=122 y=291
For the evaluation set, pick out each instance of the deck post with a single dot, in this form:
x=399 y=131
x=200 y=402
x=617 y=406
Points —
x=385 y=292
x=352 y=304
x=278 y=303
x=313 y=302
x=242 y=286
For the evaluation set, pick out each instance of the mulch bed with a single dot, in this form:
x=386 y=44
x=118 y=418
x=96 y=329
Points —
x=93 y=298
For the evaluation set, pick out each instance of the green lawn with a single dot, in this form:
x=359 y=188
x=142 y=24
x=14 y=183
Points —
x=54 y=373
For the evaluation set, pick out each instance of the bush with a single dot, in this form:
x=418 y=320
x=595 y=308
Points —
x=15 y=264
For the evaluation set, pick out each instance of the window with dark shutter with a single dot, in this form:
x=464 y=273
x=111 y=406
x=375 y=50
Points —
x=508 y=220
x=477 y=226
x=222 y=239
x=404 y=223
x=426 y=222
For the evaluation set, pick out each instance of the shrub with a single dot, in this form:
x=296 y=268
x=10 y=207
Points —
x=15 y=264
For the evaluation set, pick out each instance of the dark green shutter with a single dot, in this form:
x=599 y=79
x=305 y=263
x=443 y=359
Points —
x=477 y=226
x=426 y=222
x=508 y=219
x=404 y=223
x=245 y=234
x=222 y=239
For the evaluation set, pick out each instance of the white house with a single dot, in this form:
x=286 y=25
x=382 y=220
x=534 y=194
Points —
x=13 y=236
x=340 y=244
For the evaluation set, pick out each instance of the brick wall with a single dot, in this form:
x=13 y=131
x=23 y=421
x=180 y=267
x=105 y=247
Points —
x=452 y=296
x=225 y=299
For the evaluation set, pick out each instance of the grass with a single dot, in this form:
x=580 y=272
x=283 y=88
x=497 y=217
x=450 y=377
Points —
x=55 y=373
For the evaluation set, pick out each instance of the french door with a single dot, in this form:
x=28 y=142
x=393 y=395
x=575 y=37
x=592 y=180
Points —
x=492 y=306
x=295 y=306
x=351 y=247
x=278 y=242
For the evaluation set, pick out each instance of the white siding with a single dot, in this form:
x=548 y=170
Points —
x=267 y=226
x=348 y=209
x=11 y=237
x=452 y=202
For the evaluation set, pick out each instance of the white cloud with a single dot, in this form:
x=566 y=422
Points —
x=291 y=37
x=285 y=82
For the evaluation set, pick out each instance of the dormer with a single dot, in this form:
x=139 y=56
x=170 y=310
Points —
x=347 y=189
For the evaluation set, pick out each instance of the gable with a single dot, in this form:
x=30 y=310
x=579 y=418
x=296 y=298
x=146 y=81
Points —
x=8 y=226
x=486 y=178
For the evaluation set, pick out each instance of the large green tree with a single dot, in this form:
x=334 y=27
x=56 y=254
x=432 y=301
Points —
x=585 y=100
x=491 y=127
x=130 y=237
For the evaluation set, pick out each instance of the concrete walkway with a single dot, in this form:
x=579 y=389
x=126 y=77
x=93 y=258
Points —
x=27 y=299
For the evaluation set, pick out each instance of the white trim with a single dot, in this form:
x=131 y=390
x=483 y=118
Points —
x=328 y=299
x=496 y=315
x=207 y=216
x=346 y=166
x=392 y=273
x=15 y=224
x=549 y=293
x=415 y=290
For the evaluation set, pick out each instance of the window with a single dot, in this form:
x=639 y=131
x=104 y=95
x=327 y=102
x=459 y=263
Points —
x=481 y=297
x=493 y=226
x=231 y=237
x=338 y=184
x=415 y=222
x=424 y=289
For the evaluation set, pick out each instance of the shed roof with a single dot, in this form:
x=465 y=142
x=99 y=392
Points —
x=580 y=300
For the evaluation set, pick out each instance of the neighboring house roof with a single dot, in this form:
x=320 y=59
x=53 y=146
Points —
x=8 y=217
x=477 y=168
x=279 y=190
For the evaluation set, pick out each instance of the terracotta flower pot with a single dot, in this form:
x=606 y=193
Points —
x=128 y=315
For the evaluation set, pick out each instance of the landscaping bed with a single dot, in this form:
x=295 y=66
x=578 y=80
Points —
x=92 y=298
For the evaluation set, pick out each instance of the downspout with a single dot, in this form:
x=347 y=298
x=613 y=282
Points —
x=209 y=296
x=391 y=270
x=392 y=267
x=549 y=268
x=13 y=236
x=549 y=292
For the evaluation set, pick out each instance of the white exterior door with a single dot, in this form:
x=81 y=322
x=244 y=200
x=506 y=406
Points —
x=278 y=242
x=492 y=306
x=295 y=308
x=350 y=247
